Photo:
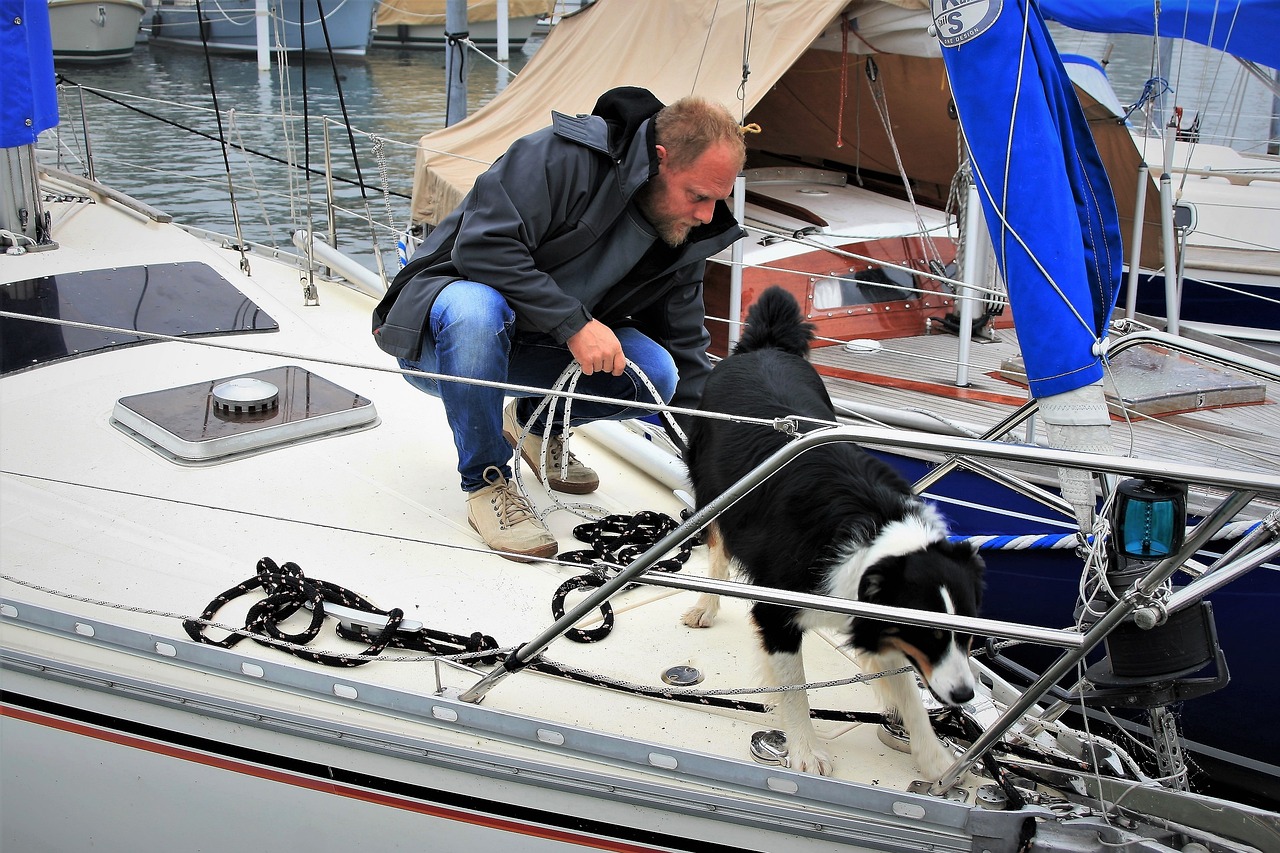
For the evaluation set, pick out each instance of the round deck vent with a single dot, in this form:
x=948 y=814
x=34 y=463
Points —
x=245 y=396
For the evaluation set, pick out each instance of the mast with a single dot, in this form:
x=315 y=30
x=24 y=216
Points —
x=30 y=105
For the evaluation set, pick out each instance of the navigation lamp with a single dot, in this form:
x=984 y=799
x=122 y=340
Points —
x=1149 y=519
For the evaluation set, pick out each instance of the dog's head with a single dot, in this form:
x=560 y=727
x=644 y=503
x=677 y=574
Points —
x=944 y=577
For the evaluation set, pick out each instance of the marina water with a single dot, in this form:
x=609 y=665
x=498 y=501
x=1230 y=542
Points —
x=390 y=97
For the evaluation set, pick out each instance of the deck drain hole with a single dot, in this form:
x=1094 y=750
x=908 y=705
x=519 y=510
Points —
x=682 y=675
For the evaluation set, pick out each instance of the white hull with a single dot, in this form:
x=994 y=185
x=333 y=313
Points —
x=1233 y=243
x=231 y=26
x=93 y=31
x=483 y=33
x=211 y=777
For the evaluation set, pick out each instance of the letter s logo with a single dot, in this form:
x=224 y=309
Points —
x=958 y=21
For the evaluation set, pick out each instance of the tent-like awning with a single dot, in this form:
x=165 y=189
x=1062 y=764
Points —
x=807 y=88
x=671 y=47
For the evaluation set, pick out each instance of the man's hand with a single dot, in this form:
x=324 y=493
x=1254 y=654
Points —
x=596 y=347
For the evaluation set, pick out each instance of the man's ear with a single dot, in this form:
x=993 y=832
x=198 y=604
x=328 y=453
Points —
x=661 y=151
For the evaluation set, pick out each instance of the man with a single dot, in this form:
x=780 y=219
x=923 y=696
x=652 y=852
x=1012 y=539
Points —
x=585 y=242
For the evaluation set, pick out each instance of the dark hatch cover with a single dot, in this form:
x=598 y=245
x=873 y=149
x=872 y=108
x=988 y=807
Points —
x=182 y=299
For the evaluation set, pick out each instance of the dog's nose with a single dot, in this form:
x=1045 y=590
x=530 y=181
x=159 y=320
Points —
x=961 y=694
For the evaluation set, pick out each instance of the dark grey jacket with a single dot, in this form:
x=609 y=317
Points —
x=550 y=198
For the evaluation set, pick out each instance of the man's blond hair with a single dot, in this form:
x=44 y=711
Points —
x=691 y=125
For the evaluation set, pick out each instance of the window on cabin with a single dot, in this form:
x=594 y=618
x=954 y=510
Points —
x=864 y=287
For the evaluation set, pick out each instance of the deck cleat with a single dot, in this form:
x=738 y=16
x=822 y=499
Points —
x=769 y=747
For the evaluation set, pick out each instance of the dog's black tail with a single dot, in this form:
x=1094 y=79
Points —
x=775 y=322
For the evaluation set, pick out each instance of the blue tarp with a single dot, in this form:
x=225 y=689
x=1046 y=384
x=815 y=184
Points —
x=1249 y=29
x=1044 y=191
x=28 y=94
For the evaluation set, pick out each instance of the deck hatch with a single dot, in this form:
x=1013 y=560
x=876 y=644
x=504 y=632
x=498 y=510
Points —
x=1157 y=382
x=193 y=425
x=181 y=299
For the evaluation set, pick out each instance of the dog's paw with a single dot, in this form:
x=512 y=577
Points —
x=932 y=757
x=703 y=614
x=698 y=617
x=806 y=759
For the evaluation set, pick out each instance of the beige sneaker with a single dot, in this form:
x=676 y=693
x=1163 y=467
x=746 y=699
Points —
x=578 y=479
x=506 y=521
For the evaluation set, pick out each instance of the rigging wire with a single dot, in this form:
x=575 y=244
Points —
x=253 y=179
x=310 y=294
x=881 y=101
x=222 y=140
x=697 y=73
x=748 y=32
x=351 y=141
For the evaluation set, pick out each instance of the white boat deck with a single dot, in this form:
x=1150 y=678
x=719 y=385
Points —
x=98 y=526
x=109 y=545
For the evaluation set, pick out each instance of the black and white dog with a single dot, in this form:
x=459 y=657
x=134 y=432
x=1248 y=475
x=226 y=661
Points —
x=834 y=521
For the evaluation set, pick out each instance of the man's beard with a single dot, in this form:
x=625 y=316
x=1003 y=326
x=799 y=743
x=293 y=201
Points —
x=670 y=228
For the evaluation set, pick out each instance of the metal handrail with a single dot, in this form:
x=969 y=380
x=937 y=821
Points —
x=1243 y=485
x=1142 y=336
x=849 y=607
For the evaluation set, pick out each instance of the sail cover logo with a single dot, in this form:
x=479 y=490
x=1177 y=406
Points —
x=958 y=21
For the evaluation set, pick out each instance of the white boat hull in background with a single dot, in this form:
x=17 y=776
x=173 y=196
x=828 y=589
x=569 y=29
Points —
x=231 y=26
x=94 y=30
x=431 y=37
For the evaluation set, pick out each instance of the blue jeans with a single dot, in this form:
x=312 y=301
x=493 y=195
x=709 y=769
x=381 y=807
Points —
x=471 y=334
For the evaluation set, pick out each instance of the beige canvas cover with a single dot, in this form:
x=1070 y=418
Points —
x=430 y=13
x=810 y=89
x=671 y=47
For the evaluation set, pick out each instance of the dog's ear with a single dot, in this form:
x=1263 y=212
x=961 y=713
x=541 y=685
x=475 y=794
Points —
x=977 y=568
x=966 y=553
x=875 y=583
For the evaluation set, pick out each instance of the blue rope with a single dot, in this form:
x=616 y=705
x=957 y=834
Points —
x=1152 y=89
x=1020 y=543
x=1049 y=541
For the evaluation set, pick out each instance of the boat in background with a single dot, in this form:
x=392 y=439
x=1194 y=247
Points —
x=421 y=23
x=343 y=27
x=94 y=30
x=1227 y=227
x=1219 y=157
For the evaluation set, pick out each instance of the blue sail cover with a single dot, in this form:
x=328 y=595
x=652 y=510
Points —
x=1249 y=29
x=28 y=94
x=1044 y=191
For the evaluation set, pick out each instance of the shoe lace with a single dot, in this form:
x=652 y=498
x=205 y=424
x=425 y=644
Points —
x=512 y=507
x=556 y=448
